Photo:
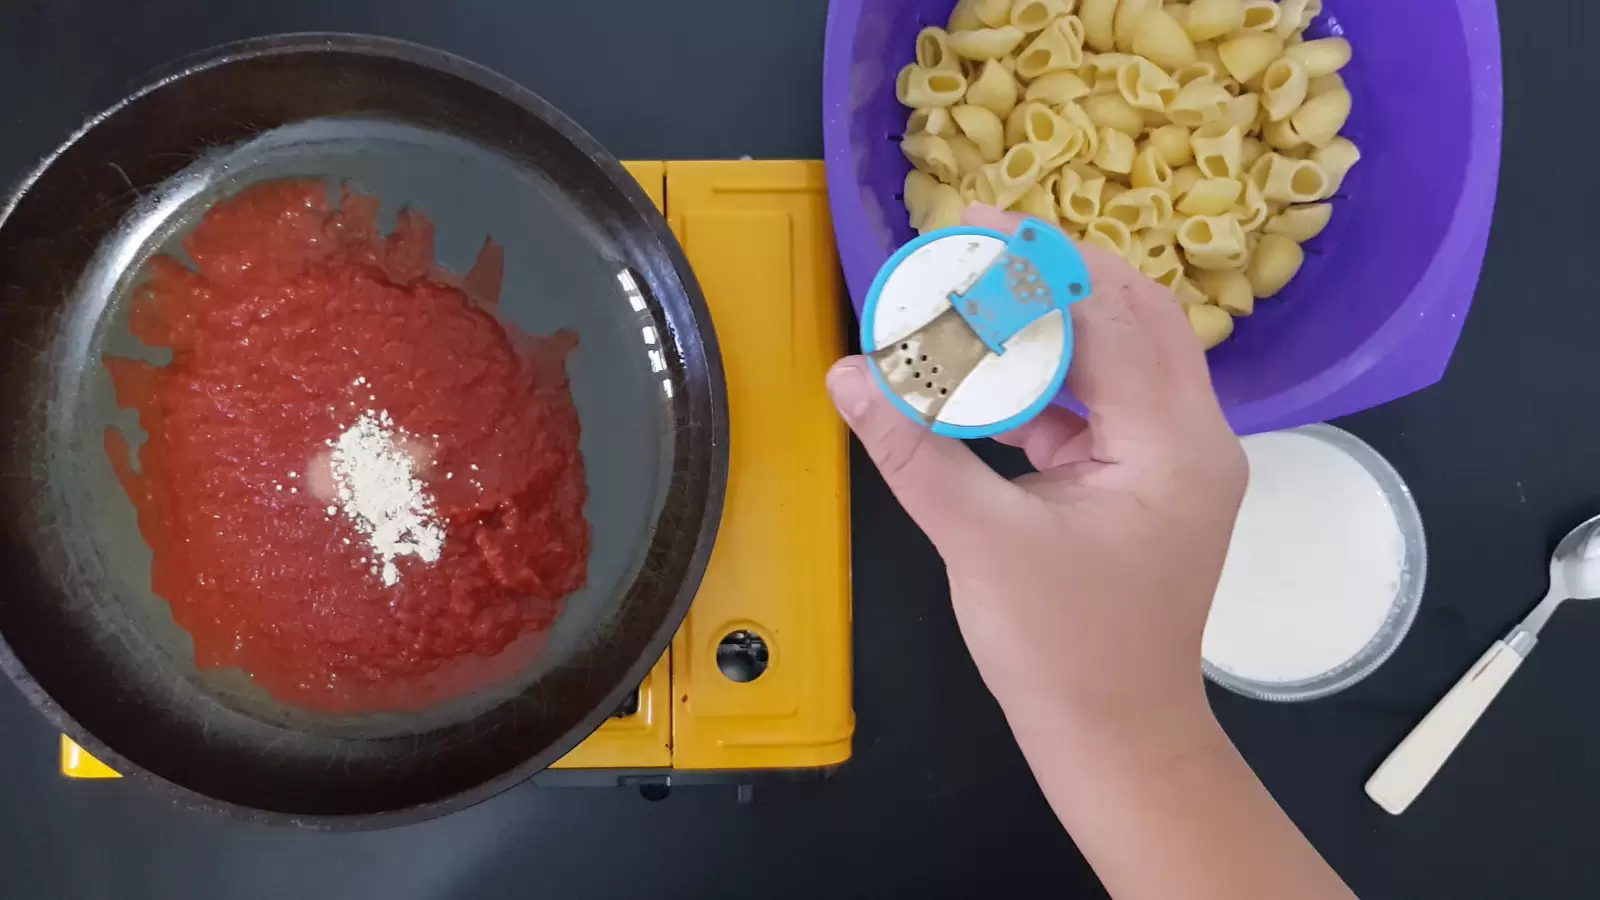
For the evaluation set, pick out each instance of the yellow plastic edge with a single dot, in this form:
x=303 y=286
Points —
x=759 y=238
x=77 y=763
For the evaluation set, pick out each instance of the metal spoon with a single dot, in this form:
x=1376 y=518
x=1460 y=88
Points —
x=1574 y=575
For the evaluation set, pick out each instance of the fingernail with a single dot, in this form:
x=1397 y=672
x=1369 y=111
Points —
x=851 y=390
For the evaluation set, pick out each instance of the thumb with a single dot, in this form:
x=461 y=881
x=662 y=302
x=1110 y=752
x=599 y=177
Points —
x=939 y=481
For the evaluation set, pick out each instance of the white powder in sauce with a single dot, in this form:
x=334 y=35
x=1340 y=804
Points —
x=375 y=485
x=1314 y=567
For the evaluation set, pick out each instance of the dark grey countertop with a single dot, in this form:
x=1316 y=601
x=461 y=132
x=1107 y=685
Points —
x=937 y=802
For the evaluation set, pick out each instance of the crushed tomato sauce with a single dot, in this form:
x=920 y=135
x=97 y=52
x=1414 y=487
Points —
x=297 y=319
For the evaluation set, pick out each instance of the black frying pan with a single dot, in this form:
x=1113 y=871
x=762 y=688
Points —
x=80 y=631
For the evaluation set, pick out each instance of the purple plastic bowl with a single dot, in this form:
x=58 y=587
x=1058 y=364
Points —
x=1376 y=311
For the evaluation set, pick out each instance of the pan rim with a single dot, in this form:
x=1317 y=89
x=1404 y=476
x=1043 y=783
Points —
x=714 y=460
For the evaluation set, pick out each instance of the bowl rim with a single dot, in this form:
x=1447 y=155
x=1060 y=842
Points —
x=1402 y=611
x=1457 y=261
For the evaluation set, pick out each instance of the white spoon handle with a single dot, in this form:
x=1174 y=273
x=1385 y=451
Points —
x=1418 y=758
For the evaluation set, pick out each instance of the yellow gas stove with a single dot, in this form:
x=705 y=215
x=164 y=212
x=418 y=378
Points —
x=758 y=677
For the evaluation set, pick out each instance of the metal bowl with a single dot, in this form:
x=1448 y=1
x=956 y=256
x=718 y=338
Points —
x=80 y=630
x=1402 y=612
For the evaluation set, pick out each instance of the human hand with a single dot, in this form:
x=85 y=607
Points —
x=1082 y=591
